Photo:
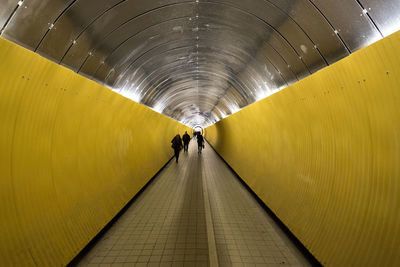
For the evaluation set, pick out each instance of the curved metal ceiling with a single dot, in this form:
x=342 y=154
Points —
x=197 y=61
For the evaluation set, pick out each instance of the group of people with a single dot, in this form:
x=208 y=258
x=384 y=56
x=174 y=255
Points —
x=177 y=143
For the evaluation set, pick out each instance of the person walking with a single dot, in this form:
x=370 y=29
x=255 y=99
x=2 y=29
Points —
x=177 y=146
x=200 y=142
x=186 y=140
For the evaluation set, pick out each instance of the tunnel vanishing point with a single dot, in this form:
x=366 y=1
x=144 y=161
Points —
x=300 y=97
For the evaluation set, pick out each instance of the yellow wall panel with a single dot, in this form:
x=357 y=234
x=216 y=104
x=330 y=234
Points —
x=72 y=154
x=324 y=155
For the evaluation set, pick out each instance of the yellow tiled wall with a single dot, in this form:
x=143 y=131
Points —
x=72 y=154
x=324 y=155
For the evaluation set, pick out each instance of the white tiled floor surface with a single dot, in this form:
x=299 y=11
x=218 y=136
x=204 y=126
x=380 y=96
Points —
x=166 y=225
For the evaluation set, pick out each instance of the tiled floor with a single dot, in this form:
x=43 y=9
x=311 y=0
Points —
x=166 y=225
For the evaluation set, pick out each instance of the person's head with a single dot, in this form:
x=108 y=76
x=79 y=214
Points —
x=185 y=132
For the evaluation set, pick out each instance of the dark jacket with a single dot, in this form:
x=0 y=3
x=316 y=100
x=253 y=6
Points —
x=186 y=138
x=200 y=140
x=176 y=143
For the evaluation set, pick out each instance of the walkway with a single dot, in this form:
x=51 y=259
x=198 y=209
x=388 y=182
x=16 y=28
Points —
x=174 y=222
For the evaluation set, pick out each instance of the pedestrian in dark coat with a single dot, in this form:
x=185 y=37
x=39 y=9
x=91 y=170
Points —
x=200 y=142
x=177 y=146
x=186 y=140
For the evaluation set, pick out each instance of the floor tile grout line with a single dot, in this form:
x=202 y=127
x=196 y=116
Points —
x=212 y=248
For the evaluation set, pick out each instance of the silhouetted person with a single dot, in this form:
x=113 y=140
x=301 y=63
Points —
x=177 y=146
x=186 y=140
x=200 y=142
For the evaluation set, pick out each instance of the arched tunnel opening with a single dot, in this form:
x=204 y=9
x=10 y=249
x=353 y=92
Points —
x=299 y=97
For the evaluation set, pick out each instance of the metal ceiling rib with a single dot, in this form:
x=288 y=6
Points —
x=125 y=18
x=385 y=14
x=197 y=60
x=9 y=7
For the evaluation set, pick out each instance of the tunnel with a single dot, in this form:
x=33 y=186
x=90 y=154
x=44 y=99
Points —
x=298 y=101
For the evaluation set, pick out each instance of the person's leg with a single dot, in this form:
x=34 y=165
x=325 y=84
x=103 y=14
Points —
x=176 y=155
